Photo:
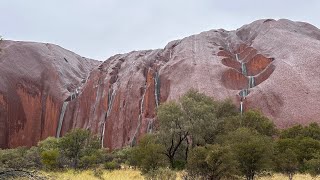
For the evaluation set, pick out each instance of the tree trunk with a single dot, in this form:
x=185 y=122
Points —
x=187 y=151
x=290 y=176
x=250 y=176
x=171 y=158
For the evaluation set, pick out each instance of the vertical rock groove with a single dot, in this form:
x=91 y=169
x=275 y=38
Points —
x=63 y=110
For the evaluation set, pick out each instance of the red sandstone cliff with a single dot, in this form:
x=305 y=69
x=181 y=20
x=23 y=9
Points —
x=35 y=78
x=268 y=65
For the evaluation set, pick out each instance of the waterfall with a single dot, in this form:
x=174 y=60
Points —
x=150 y=126
x=251 y=81
x=157 y=88
x=244 y=92
x=63 y=110
x=243 y=68
x=237 y=57
x=111 y=95
x=140 y=116
x=241 y=107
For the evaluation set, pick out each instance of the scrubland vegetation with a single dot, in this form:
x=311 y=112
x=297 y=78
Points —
x=196 y=136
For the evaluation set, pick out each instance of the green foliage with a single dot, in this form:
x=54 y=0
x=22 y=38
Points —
x=14 y=158
x=173 y=130
x=77 y=144
x=313 y=165
x=252 y=151
x=293 y=153
x=148 y=155
x=306 y=149
x=199 y=113
x=311 y=131
x=50 y=143
x=160 y=174
x=190 y=122
x=33 y=158
x=50 y=159
x=121 y=156
x=91 y=159
x=251 y=119
x=286 y=157
x=112 y=165
x=226 y=109
x=211 y=162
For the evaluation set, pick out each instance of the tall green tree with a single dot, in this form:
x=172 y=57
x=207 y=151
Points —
x=212 y=162
x=190 y=122
x=251 y=119
x=173 y=129
x=76 y=144
x=313 y=165
x=252 y=151
x=148 y=154
x=286 y=157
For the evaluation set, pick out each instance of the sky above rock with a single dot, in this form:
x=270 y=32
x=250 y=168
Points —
x=101 y=28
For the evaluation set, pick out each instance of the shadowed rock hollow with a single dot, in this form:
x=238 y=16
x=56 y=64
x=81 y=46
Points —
x=267 y=65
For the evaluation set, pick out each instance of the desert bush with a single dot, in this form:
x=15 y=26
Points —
x=211 y=162
x=160 y=174
x=112 y=165
x=14 y=158
x=50 y=159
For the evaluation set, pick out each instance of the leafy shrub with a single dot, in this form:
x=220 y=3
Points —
x=14 y=158
x=147 y=155
x=112 y=165
x=49 y=159
x=211 y=162
x=161 y=173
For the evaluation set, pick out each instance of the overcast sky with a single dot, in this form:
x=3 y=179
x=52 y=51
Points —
x=101 y=28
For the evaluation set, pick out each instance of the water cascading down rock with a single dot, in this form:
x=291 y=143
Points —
x=243 y=58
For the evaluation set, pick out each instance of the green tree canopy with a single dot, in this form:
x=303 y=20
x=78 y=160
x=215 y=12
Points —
x=252 y=151
x=211 y=162
x=251 y=119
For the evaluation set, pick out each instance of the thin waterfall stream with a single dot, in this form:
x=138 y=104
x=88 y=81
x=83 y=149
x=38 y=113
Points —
x=157 y=88
x=63 y=111
x=133 y=142
x=111 y=95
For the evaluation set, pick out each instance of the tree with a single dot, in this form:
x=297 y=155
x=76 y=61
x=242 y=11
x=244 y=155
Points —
x=76 y=144
x=312 y=131
x=190 y=122
x=251 y=119
x=286 y=158
x=199 y=113
x=306 y=148
x=252 y=151
x=49 y=143
x=49 y=158
x=211 y=162
x=13 y=158
x=173 y=129
x=313 y=165
x=148 y=155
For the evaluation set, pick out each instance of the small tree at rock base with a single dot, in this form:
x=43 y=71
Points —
x=212 y=162
x=286 y=158
x=76 y=144
x=148 y=155
x=252 y=151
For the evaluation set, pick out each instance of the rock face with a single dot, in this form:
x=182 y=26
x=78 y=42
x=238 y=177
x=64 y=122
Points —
x=267 y=65
x=35 y=79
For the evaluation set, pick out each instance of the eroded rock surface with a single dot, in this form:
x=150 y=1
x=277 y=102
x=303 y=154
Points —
x=35 y=80
x=267 y=65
